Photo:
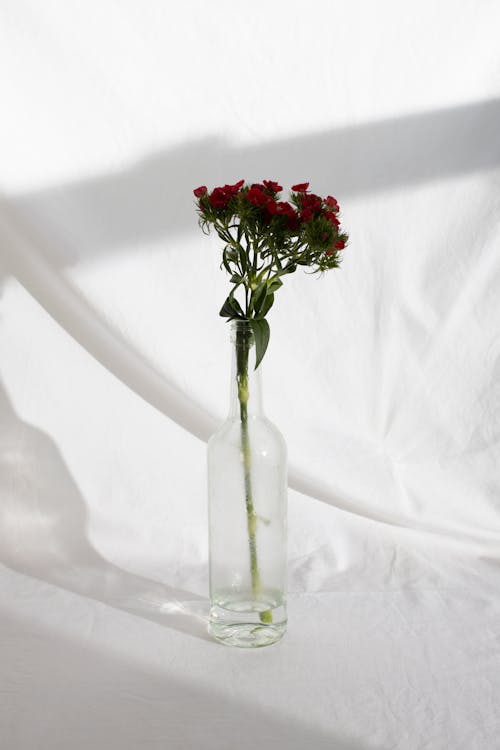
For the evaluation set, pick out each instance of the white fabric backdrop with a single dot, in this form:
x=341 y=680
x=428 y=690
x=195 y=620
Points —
x=383 y=376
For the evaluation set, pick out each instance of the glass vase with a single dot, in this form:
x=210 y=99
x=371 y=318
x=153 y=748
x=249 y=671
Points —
x=247 y=503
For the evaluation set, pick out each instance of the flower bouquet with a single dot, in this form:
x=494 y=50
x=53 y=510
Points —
x=264 y=239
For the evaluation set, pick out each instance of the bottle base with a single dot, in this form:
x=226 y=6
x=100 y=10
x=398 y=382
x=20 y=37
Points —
x=248 y=626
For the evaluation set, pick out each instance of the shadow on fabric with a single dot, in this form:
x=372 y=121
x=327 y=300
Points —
x=135 y=706
x=152 y=199
x=43 y=521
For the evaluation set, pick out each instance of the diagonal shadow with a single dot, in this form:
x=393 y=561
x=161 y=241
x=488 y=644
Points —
x=57 y=681
x=43 y=520
x=26 y=261
x=152 y=199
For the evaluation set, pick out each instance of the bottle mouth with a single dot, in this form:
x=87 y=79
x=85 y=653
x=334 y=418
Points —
x=241 y=330
x=241 y=325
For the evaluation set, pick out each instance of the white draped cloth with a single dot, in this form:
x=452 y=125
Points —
x=383 y=376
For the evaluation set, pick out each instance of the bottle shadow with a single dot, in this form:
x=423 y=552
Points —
x=148 y=201
x=136 y=703
x=43 y=519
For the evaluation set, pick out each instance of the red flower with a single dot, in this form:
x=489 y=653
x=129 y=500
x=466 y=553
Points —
x=332 y=203
x=332 y=218
x=257 y=197
x=219 y=197
x=200 y=191
x=282 y=208
x=339 y=245
x=301 y=187
x=329 y=252
x=311 y=201
x=307 y=214
x=233 y=189
x=272 y=186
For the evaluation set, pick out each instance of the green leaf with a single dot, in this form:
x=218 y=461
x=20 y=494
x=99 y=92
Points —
x=243 y=259
x=226 y=310
x=273 y=285
x=236 y=306
x=261 y=333
x=268 y=303
x=258 y=298
x=231 y=309
x=228 y=256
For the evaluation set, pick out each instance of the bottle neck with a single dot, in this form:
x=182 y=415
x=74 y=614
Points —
x=245 y=396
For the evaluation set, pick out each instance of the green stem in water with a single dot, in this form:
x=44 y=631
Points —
x=242 y=351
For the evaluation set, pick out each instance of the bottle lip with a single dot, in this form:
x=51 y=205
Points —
x=241 y=330
x=243 y=325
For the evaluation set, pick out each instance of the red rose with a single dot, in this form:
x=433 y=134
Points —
x=272 y=186
x=219 y=198
x=302 y=187
x=332 y=218
x=200 y=191
x=332 y=203
x=329 y=252
x=339 y=245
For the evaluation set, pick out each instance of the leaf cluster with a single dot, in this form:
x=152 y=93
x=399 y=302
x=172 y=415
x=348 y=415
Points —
x=264 y=240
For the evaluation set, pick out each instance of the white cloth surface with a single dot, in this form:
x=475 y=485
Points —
x=382 y=376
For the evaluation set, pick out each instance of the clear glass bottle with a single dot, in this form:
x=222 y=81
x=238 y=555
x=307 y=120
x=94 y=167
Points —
x=247 y=501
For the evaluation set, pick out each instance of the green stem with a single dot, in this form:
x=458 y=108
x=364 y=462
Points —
x=242 y=352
